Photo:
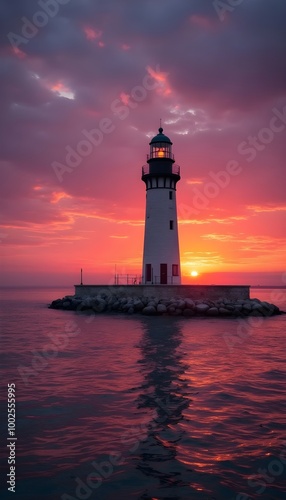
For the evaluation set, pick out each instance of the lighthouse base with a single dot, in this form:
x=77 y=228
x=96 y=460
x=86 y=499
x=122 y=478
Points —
x=195 y=292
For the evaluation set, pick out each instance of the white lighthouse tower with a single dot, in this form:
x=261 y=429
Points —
x=161 y=259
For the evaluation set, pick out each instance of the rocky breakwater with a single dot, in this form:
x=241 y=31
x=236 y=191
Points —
x=172 y=307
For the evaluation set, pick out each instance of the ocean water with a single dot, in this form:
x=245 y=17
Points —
x=116 y=407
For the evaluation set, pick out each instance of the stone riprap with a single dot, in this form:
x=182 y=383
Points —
x=152 y=306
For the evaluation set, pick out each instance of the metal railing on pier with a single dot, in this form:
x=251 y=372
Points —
x=127 y=279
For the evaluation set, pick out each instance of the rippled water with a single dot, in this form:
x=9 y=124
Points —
x=118 y=407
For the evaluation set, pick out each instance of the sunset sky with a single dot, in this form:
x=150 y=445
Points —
x=83 y=88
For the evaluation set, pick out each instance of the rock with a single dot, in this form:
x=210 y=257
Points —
x=218 y=304
x=255 y=312
x=224 y=312
x=213 y=311
x=161 y=309
x=151 y=303
x=178 y=312
x=99 y=305
x=171 y=309
x=258 y=307
x=268 y=309
x=56 y=304
x=188 y=312
x=173 y=303
x=247 y=307
x=267 y=305
x=89 y=302
x=138 y=305
x=189 y=304
x=238 y=310
x=164 y=302
x=76 y=304
x=175 y=306
x=149 y=310
x=202 y=308
x=238 y=307
x=230 y=308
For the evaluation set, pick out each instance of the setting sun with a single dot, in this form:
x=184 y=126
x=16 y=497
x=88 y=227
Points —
x=194 y=273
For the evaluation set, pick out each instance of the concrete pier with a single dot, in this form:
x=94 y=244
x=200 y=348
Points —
x=195 y=292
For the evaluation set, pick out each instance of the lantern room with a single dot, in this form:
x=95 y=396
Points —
x=160 y=147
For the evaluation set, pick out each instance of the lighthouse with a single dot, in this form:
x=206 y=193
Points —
x=161 y=255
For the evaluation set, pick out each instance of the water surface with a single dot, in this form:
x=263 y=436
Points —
x=144 y=407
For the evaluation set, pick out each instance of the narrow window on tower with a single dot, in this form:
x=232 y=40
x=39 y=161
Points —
x=170 y=195
x=171 y=224
x=175 y=270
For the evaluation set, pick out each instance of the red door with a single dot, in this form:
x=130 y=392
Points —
x=148 y=273
x=163 y=274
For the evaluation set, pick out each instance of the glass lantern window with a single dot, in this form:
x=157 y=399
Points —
x=161 y=150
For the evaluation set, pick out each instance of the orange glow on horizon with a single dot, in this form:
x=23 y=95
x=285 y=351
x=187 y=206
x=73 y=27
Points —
x=97 y=240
